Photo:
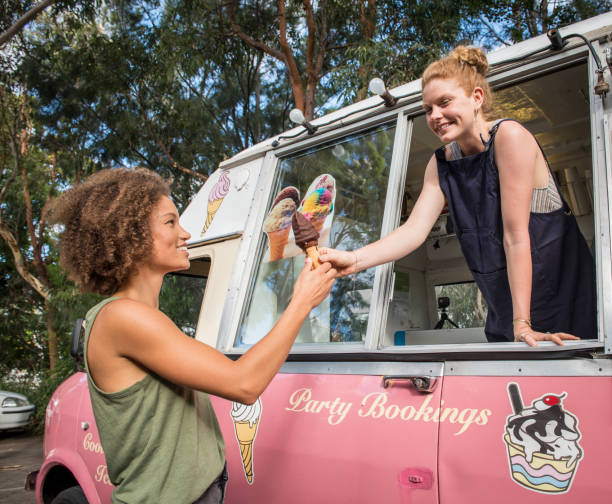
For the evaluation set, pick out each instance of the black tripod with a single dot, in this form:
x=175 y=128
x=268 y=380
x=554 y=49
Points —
x=443 y=304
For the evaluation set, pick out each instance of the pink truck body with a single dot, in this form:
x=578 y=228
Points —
x=379 y=405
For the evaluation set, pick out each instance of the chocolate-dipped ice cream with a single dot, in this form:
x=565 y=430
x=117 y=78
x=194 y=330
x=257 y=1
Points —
x=306 y=237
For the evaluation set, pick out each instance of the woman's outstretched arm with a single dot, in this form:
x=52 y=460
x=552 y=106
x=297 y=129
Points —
x=403 y=240
x=143 y=335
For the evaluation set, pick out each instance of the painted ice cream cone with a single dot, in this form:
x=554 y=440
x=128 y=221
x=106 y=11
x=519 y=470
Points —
x=245 y=432
x=319 y=201
x=278 y=224
x=278 y=242
x=542 y=442
x=288 y=192
x=215 y=198
x=543 y=473
x=246 y=421
x=213 y=206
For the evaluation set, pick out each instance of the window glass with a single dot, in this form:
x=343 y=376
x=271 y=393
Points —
x=349 y=177
x=555 y=108
x=181 y=295
x=460 y=305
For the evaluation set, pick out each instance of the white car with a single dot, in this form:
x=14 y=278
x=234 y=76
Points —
x=15 y=410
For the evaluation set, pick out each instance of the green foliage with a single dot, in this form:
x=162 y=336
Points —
x=181 y=298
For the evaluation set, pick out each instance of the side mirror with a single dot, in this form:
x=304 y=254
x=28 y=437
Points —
x=76 y=345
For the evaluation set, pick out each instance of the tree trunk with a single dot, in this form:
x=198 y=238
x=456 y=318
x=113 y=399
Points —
x=367 y=18
x=52 y=341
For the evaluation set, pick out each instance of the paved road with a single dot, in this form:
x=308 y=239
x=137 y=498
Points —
x=20 y=454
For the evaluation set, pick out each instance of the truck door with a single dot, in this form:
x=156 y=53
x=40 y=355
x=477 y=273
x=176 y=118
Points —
x=338 y=432
x=327 y=429
x=543 y=434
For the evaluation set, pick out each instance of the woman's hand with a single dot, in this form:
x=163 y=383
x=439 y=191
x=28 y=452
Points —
x=314 y=285
x=531 y=337
x=344 y=261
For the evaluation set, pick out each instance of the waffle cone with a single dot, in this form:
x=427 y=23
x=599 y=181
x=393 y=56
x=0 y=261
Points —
x=278 y=241
x=313 y=253
x=213 y=206
x=245 y=432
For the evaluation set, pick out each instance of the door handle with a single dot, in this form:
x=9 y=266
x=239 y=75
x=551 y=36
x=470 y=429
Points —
x=423 y=384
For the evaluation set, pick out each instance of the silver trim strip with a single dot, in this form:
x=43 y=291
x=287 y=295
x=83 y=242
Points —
x=357 y=349
x=567 y=367
x=365 y=368
x=216 y=239
x=241 y=277
x=535 y=368
x=606 y=301
x=601 y=193
x=340 y=129
x=381 y=289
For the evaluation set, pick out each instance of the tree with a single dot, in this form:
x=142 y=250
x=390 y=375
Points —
x=522 y=19
x=408 y=35
x=334 y=47
x=307 y=40
x=24 y=231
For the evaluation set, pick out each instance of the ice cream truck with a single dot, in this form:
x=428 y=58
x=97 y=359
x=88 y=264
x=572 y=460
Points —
x=391 y=393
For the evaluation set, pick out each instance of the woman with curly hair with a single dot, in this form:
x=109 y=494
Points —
x=161 y=439
x=518 y=236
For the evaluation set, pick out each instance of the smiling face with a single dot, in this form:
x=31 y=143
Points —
x=169 y=252
x=450 y=110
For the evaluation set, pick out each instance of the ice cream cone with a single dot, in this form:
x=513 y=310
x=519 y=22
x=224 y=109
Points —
x=213 y=206
x=544 y=473
x=278 y=241
x=215 y=198
x=245 y=432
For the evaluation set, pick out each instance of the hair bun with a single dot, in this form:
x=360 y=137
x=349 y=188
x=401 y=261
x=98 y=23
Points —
x=472 y=56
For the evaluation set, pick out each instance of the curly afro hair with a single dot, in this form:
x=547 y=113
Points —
x=106 y=226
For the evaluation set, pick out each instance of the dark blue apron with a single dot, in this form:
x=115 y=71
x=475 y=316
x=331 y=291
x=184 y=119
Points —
x=563 y=278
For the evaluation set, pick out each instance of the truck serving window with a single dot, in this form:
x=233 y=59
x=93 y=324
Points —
x=181 y=295
x=435 y=300
x=359 y=169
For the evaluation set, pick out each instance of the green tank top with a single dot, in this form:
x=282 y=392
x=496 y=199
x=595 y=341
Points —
x=162 y=442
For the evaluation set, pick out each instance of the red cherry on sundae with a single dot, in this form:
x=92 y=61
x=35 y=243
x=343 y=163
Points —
x=551 y=400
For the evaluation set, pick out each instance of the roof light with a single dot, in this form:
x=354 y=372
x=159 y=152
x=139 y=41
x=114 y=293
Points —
x=377 y=86
x=297 y=116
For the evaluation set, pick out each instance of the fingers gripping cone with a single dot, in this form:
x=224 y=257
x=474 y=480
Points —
x=245 y=432
x=313 y=253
